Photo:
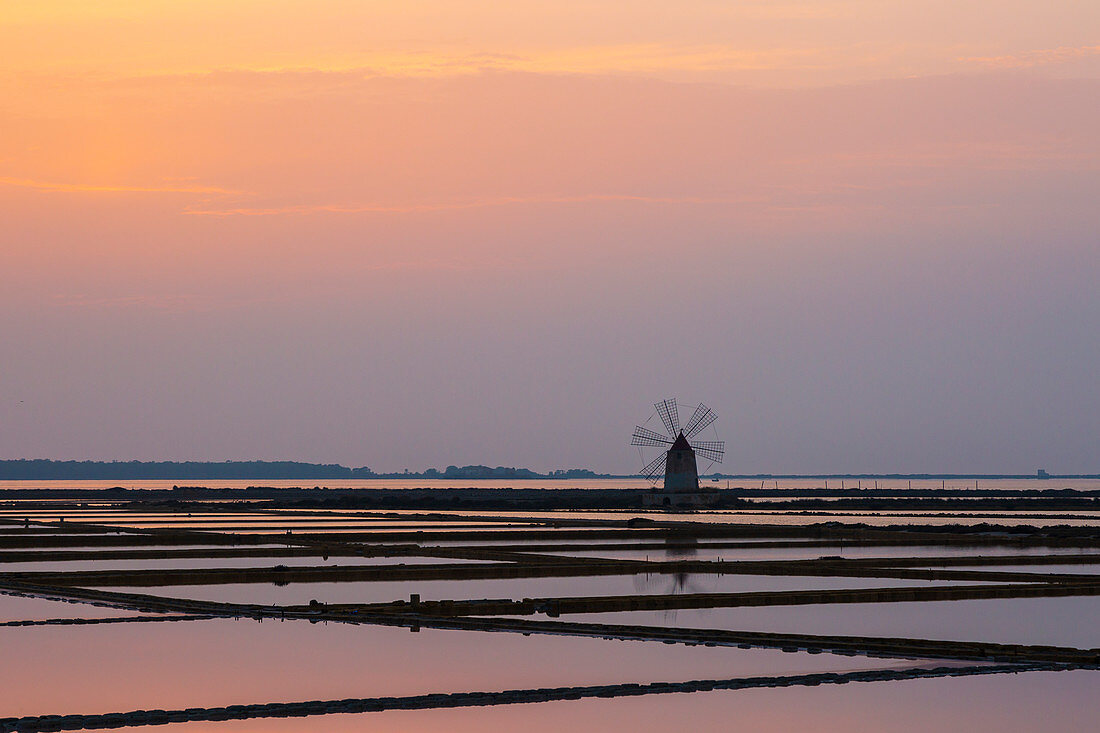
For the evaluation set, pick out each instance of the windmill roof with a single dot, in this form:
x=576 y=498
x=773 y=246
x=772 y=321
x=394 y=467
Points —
x=680 y=443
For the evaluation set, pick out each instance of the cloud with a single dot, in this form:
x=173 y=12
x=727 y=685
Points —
x=716 y=61
x=377 y=208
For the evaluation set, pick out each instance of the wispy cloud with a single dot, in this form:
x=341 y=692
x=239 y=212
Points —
x=1030 y=59
x=647 y=59
x=376 y=208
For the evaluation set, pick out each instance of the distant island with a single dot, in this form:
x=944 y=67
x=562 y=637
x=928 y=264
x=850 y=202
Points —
x=48 y=470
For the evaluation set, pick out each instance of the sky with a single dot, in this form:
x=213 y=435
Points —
x=433 y=232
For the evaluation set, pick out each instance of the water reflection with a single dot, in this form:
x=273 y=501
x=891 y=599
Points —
x=673 y=583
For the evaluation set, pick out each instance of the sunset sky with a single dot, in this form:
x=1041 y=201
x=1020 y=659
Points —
x=412 y=234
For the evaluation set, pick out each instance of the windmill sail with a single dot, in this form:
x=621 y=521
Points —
x=667 y=410
x=701 y=418
x=645 y=437
x=655 y=468
x=712 y=450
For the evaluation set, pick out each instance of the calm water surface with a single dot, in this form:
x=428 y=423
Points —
x=616 y=483
x=1055 y=621
x=225 y=662
x=268 y=594
x=1046 y=701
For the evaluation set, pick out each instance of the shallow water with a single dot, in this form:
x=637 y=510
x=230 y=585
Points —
x=752 y=517
x=269 y=594
x=1068 y=569
x=593 y=541
x=220 y=562
x=320 y=524
x=224 y=662
x=809 y=553
x=588 y=483
x=118 y=667
x=22 y=608
x=229 y=542
x=1055 y=621
x=1055 y=701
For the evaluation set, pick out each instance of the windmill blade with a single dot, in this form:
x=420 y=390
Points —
x=710 y=455
x=667 y=410
x=643 y=436
x=655 y=468
x=702 y=417
x=712 y=450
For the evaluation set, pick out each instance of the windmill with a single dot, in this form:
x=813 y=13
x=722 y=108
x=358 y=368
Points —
x=677 y=449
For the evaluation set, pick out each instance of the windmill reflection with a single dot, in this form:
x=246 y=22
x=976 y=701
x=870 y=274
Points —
x=685 y=548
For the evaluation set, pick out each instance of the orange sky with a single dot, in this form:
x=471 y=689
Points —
x=108 y=97
x=794 y=41
x=191 y=189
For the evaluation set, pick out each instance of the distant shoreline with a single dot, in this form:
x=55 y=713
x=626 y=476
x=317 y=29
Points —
x=51 y=470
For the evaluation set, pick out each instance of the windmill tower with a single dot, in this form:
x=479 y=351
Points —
x=677 y=455
x=681 y=470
